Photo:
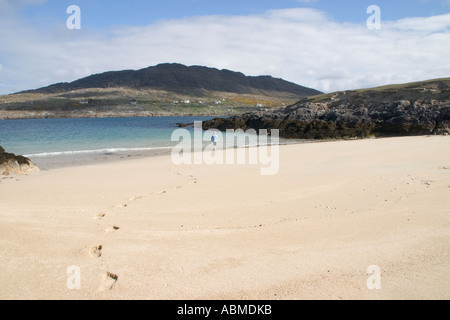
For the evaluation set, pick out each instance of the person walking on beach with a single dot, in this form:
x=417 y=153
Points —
x=214 y=140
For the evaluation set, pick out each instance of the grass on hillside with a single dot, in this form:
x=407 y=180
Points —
x=435 y=86
x=124 y=99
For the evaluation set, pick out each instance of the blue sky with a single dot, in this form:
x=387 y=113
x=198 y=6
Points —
x=104 y=13
x=322 y=44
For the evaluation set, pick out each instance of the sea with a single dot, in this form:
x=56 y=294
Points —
x=55 y=143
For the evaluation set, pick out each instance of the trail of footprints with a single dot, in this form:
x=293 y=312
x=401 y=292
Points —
x=109 y=279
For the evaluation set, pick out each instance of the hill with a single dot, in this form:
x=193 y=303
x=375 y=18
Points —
x=418 y=108
x=162 y=90
x=178 y=78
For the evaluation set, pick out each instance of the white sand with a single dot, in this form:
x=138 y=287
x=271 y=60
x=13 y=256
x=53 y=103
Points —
x=147 y=229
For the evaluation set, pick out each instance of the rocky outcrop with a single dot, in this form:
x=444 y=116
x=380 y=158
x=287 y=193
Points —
x=12 y=164
x=383 y=111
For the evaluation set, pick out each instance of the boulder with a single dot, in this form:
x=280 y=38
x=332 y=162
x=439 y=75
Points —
x=12 y=164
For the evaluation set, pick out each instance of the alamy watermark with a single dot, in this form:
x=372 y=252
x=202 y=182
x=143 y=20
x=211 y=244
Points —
x=74 y=278
x=374 y=21
x=237 y=148
x=374 y=280
x=74 y=20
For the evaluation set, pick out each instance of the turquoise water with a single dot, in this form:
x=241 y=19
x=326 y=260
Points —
x=60 y=142
x=53 y=143
x=41 y=137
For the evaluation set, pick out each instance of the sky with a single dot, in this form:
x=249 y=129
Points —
x=323 y=44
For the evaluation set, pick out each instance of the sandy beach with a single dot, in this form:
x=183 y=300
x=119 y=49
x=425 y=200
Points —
x=149 y=229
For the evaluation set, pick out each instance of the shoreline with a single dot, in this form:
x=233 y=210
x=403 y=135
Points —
x=69 y=160
x=57 y=160
x=144 y=228
x=124 y=115
x=89 y=157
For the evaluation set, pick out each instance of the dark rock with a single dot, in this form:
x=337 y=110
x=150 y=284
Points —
x=12 y=164
x=423 y=109
x=185 y=125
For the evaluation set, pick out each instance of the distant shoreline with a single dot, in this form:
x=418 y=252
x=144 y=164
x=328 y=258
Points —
x=46 y=115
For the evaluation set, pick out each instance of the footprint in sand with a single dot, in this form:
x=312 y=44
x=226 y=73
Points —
x=160 y=193
x=125 y=205
x=112 y=229
x=427 y=182
x=96 y=251
x=100 y=216
x=194 y=180
x=135 y=198
x=108 y=281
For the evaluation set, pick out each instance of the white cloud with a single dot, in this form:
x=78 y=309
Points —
x=299 y=45
x=423 y=25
